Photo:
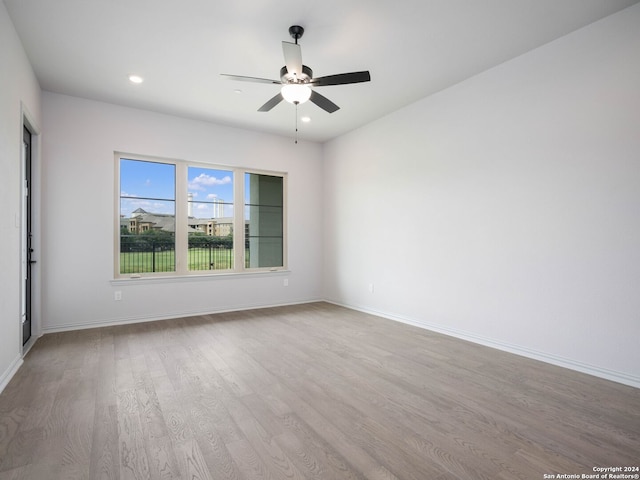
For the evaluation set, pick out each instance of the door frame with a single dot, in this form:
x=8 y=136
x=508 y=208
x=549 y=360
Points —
x=28 y=122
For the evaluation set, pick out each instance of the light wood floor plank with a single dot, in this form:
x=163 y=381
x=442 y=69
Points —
x=134 y=462
x=104 y=463
x=309 y=391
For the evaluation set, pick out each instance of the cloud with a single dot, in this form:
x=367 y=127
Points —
x=128 y=205
x=160 y=208
x=211 y=196
x=203 y=180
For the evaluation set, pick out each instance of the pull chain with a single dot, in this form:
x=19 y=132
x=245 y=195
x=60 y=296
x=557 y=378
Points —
x=296 y=122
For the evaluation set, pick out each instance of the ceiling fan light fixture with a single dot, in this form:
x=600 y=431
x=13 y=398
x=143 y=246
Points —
x=296 y=93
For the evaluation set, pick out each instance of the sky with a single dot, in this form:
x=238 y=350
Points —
x=151 y=186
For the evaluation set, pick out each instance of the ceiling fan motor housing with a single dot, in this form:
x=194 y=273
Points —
x=304 y=77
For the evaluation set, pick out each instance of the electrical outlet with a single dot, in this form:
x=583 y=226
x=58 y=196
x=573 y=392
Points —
x=371 y=288
x=285 y=282
x=117 y=295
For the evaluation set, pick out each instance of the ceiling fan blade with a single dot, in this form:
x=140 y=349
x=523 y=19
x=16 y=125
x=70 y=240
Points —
x=323 y=102
x=292 y=58
x=341 y=79
x=250 y=79
x=271 y=103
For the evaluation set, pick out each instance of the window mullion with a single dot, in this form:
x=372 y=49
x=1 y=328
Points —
x=181 y=236
x=117 y=225
x=238 y=220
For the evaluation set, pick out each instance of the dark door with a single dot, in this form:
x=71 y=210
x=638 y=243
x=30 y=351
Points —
x=26 y=319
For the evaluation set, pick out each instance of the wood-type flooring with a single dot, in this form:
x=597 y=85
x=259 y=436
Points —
x=312 y=391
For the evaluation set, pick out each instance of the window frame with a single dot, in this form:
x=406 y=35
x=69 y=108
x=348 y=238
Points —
x=181 y=219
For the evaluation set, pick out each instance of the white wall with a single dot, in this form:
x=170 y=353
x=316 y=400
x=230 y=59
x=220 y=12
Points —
x=19 y=90
x=78 y=211
x=506 y=209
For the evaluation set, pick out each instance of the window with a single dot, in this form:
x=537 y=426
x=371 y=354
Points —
x=264 y=216
x=147 y=217
x=180 y=218
x=210 y=218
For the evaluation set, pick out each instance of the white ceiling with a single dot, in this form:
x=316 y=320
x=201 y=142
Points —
x=413 y=48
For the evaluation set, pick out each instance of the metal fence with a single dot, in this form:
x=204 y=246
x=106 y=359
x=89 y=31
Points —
x=154 y=253
x=210 y=257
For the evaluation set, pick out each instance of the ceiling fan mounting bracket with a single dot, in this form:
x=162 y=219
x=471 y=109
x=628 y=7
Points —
x=296 y=32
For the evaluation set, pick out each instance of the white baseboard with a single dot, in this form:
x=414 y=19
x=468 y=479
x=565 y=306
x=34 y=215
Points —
x=8 y=374
x=167 y=316
x=615 y=376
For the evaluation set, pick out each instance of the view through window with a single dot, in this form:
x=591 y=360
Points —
x=210 y=217
x=147 y=217
x=180 y=218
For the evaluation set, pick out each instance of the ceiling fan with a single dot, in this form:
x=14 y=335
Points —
x=297 y=79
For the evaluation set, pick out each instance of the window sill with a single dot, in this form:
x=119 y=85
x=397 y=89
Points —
x=148 y=280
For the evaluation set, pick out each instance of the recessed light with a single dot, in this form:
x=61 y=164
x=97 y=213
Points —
x=305 y=119
x=136 y=79
x=238 y=91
